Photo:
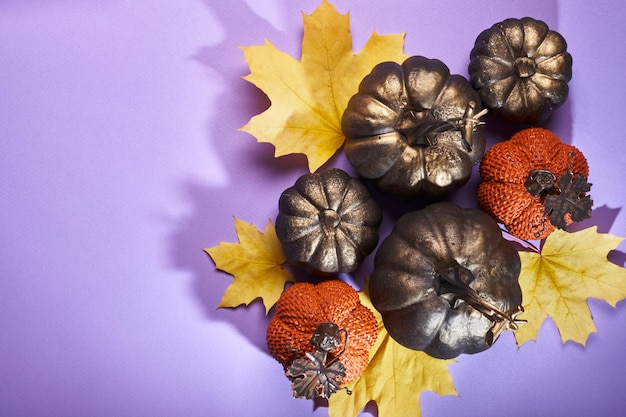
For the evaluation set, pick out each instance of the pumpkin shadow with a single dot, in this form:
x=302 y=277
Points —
x=603 y=217
x=201 y=228
x=254 y=171
x=560 y=122
x=190 y=236
x=196 y=230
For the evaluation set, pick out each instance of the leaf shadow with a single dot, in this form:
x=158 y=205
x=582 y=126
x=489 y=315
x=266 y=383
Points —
x=236 y=105
x=603 y=217
x=191 y=235
x=201 y=227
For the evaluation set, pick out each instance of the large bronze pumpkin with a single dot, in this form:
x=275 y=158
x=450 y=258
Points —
x=414 y=128
x=446 y=281
x=521 y=69
x=327 y=222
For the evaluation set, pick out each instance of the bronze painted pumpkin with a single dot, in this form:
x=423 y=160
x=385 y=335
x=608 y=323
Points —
x=534 y=183
x=327 y=222
x=521 y=70
x=414 y=128
x=446 y=282
x=322 y=335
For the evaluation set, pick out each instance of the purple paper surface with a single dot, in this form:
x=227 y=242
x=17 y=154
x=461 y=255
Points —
x=121 y=159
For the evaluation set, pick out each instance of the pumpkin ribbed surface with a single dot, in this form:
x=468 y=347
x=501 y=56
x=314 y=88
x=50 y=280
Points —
x=408 y=128
x=440 y=276
x=327 y=222
x=521 y=69
x=304 y=306
x=505 y=168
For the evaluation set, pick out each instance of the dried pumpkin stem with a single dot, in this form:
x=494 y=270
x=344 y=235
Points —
x=468 y=124
x=540 y=182
x=329 y=220
x=419 y=131
x=524 y=67
x=328 y=336
x=452 y=284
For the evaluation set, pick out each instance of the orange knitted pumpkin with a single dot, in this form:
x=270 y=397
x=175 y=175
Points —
x=322 y=335
x=534 y=183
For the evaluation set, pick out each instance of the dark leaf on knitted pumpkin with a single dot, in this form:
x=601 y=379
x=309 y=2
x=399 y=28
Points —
x=313 y=377
x=571 y=199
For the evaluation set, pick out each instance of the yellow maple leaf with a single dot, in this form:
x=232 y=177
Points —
x=394 y=378
x=256 y=263
x=557 y=282
x=308 y=97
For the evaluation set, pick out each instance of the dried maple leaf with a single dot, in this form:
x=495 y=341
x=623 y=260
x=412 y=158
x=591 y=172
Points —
x=570 y=200
x=557 y=282
x=308 y=97
x=394 y=378
x=256 y=263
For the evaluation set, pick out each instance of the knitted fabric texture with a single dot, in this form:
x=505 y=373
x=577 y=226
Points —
x=303 y=306
x=504 y=170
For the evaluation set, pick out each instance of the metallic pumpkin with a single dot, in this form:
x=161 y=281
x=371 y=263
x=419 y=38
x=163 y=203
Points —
x=414 y=128
x=521 y=69
x=327 y=222
x=446 y=282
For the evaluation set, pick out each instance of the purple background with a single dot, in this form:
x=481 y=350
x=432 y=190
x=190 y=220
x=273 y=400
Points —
x=120 y=160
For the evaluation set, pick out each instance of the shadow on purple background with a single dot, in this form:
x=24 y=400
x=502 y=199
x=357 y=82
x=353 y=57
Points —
x=257 y=178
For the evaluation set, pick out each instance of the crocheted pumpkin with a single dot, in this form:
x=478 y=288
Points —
x=534 y=183
x=322 y=335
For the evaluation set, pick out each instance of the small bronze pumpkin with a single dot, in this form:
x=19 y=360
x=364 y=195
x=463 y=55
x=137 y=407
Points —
x=446 y=281
x=521 y=69
x=414 y=128
x=327 y=222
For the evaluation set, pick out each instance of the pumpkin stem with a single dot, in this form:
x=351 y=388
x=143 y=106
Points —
x=454 y=285
x=328 y=336
x=419 y=130
x=468 y=124
x=329 y=219
x=524 y=67
x=540 y=181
